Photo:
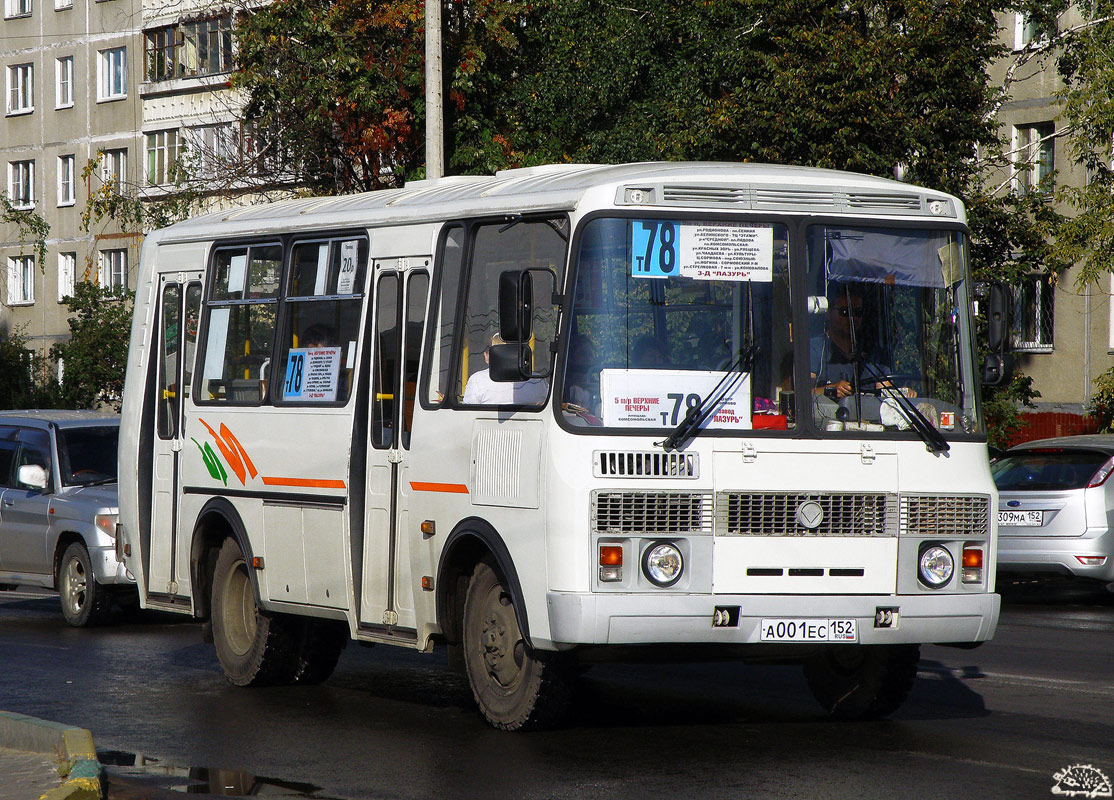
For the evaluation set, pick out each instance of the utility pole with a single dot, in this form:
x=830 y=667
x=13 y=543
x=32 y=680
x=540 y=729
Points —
x=434 y=127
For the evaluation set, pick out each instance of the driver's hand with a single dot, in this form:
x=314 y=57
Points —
x=842 y=389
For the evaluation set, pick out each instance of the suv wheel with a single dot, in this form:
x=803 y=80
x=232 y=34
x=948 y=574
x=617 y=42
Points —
x=84 y=601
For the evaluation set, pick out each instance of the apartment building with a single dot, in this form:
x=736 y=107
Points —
x=1063 y=336
x=69 y=70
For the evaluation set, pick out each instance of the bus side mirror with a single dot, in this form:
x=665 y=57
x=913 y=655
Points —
x=997 y=367
x=510 y=362
x=516 y=306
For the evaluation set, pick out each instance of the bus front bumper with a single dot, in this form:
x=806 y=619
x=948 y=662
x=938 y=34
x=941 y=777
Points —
x=584 y=618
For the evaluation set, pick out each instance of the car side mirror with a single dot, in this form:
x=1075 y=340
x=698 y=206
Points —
x=32 y=476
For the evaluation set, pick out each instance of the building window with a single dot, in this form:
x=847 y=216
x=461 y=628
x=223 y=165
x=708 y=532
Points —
x=17 y=8
x=112 y=73
x=21 y=89
x=21 y=184
x=206 y=47
x=66 y=180
x=67 y=268
x=1025 y=30
x=62 y=5
x=21 y=280
x=158 y=54
x=113 y=269
x=162 y=157
x=1033 y=314
x=114 y=168
x=1034 y=162
x=63 y=82
x=214 y=148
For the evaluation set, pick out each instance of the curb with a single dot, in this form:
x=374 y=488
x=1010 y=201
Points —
x=74 y=746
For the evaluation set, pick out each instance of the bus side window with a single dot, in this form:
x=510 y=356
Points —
x=417 y=296
x=243 y=299
x=316 y=357
x=437 y=378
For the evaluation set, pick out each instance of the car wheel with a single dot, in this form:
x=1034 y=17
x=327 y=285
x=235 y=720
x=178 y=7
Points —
x=254 y=648
x=862 y=681
x=514 y=685
x=84 y=601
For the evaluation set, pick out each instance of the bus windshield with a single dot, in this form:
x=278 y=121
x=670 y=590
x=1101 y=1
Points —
x=663 y=308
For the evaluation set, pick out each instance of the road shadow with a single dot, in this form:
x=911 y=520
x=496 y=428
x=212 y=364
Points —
x=1054 y=591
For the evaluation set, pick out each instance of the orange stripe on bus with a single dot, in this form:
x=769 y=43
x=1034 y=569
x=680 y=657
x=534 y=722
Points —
x=309 y=483
x=451 y=488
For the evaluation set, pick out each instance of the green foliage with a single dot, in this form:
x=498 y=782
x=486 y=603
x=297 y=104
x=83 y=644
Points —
x=26 y=382
x=1101 y=404
x=96 y=354
x=1003 y=408
x=131 y=209
x=31 y=228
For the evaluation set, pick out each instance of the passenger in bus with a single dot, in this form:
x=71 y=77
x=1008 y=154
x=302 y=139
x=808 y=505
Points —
x=649 y=353
x=482 y=390
x=582 y=375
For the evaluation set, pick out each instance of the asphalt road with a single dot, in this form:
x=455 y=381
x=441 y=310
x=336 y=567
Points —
x=999 y=721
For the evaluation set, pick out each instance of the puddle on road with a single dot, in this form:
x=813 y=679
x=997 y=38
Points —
x=208 y=781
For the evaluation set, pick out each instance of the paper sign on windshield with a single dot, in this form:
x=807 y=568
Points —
x=311 y=374
x=651 y=398
x=707 y=251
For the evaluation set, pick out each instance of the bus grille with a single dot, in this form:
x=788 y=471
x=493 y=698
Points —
x=631 y=464
x=775 y=514
x=651 y=512
x=945 y=516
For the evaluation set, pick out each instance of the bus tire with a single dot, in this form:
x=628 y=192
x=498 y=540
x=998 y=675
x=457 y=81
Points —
x=84 y=601
x=515 y=686
x=862 y=681
x=254 y=648
x=319 y=650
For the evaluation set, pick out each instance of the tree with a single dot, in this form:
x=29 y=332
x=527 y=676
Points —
x=96 y=354
x=25 y=384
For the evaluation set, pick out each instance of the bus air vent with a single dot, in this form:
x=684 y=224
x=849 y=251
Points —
x=879 y=201
x=661 y=513
x=947 y=516
x=697 y=195
x=775 y=514
x=791 y=198
x=647 y=464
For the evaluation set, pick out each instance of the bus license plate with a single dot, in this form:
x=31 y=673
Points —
x=1021 y=519
x=809 y=630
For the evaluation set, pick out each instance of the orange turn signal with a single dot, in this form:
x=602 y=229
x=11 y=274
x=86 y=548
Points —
x=611 y=555
x=972 y=557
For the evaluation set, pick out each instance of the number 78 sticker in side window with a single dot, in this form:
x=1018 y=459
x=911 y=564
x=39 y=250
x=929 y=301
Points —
x=709 y=251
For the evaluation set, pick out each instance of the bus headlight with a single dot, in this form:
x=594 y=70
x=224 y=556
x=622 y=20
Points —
x=935 y=566
x=662 y=564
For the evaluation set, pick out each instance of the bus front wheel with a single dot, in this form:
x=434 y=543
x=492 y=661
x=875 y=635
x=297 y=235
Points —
x=862 y=681
x=254 y=648
x=515 y=686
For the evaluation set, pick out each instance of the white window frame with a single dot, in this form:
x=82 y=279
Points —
x=112 y=269
x=114 y=168
x=21 y=184
x=67 y=166
x=21 y=280
x=1034 y=312
x=18 y=8
x=67 y=271
x=63 y=82
x=62 y=5
x=20 y=89
x=1024 y=32
x=1030 y=144
x=112 y=74
x=213 y=147
x=162 y=156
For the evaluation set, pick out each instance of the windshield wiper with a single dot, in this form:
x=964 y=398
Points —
x=933 y=439
x=689 y=427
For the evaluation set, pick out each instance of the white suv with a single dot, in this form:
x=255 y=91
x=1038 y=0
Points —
x=58 y=509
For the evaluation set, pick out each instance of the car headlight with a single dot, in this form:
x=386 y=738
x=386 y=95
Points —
x=106 y=523
x=663 y=564
x=936 y=566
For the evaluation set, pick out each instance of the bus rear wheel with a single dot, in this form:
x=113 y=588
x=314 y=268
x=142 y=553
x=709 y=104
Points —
x=515 y=686
x=254 y=648
x=862 y=681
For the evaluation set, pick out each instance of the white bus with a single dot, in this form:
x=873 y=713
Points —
x=567 y=413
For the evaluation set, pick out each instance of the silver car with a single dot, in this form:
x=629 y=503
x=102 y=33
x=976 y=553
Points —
x=58 y=509
x=1056 y=507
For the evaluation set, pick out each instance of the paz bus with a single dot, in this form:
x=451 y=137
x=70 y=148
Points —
x=564 y=414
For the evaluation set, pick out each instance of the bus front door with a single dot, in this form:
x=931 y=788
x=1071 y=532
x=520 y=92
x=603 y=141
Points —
x=178 y=313
x=399 y=303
